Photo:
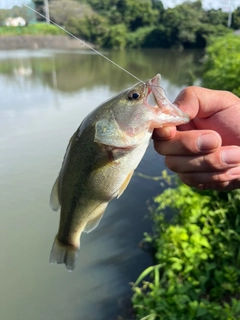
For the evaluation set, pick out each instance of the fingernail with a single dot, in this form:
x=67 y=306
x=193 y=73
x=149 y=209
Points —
x=207 y=141
x=234 y=171
x=163 y=133
x=231 y=156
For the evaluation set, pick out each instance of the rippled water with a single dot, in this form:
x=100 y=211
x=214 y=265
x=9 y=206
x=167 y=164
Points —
x=44 y=97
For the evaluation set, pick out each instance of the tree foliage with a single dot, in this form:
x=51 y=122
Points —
x=221 y=66
x=136 y=14
x=63 y=10
x=148 y=24
x=93 y=28
x=141 y=23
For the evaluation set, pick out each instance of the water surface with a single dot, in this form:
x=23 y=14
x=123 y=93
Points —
x=44 y=97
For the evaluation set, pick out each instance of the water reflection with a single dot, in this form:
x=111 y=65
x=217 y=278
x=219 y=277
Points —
x=85 y=69
x=44 y=97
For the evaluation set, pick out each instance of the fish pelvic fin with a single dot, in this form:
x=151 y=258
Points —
x=125 y=184
x=64 y=254
x=92 y=224
x=54 y=199
x=96 y=218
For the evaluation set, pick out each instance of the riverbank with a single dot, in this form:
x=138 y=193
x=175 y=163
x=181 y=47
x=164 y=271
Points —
x=39 y=42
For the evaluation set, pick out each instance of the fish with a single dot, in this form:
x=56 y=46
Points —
x=100 y=160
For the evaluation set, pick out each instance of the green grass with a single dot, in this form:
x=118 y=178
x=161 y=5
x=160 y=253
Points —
x=32 y=29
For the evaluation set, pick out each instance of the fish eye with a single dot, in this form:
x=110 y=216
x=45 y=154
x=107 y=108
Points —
x=133 y=95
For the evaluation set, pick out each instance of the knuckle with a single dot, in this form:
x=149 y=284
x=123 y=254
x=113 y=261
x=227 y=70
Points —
x=210 y=162
x=220 y=177
x=213 y=162
x=188 y=179
x=159 y=147
x=172 y=164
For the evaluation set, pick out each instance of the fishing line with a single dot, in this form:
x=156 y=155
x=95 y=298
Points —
x=84 y=43
x=90 y=47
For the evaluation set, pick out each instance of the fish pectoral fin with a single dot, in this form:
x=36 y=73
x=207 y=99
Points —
x=125 y=184
x=94 y=222
x=54 y=199
x=108 y=132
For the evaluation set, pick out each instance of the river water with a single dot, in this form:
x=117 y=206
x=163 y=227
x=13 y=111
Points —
x=45 y=95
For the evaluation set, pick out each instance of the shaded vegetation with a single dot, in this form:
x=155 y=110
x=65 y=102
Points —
x=221 y=66
x=197 y=258
x=145 y=23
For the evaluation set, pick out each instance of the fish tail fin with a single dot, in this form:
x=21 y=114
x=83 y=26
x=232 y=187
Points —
x=62 y=253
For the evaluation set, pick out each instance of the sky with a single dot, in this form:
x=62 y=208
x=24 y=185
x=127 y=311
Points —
x=207 y=4
x=7 y=4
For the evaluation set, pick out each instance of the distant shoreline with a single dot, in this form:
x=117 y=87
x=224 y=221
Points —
x=39 y=42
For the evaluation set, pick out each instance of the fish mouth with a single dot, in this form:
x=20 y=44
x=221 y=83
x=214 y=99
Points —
x=157 y=98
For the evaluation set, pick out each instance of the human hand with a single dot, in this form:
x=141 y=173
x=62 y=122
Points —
x=205 y=153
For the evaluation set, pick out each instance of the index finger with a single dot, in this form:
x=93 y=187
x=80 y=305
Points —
x=189 y=143
x=202 y=103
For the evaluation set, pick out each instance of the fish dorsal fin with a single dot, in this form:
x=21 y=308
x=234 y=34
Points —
x=125 y=184
x=54 y=199
x=92 y=224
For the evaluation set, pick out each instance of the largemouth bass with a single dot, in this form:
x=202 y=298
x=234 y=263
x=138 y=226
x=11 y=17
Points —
x=100 y=160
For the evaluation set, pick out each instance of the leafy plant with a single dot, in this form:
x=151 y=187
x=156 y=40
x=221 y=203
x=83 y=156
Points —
x=221 y=66
x=197 y=254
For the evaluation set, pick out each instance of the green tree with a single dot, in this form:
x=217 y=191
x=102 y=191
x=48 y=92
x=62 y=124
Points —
x=221 y=67
x=102 y=6
x=181 y=23
x=215 y=17
x=106 y=8
x=139 y=23
x=116 y=36
x=157 y=4
x=93 y=28
x=133 y=13
x=236 y=19
x=72 y=9
x=136 y=14
x=188 y=25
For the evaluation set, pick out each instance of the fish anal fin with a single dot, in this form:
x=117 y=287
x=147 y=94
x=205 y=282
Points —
x=125 y=184
x=54 y=198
